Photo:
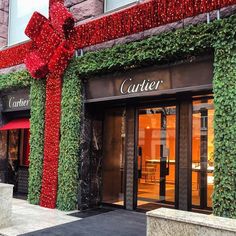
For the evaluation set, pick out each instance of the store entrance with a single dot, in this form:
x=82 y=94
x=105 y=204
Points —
x=18 y=159
x=14 y=155
x=156 y=156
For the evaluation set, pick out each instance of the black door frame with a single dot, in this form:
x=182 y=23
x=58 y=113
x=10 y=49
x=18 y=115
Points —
x=172 y=102
x=176 y=100
x=203 y=173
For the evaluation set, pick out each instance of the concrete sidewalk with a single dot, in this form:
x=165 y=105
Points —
x=27 y=218
x=112 y=223
x=31 y=220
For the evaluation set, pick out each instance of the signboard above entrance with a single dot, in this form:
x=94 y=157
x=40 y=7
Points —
x=16 y=100
x=128 y=86
x=151 y=81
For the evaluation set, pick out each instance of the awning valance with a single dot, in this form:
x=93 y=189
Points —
x=17 y=124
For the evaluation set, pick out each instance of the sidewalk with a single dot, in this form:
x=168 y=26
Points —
x=28 y=218
x=31 y=220
x=117 y=222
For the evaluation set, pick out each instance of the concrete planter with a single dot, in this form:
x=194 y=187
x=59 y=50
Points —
x=6 y=194
x=163 y=221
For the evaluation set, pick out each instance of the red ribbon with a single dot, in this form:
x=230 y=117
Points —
x=49 y=56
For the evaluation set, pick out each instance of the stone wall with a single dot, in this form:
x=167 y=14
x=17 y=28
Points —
x=85 y=9
x=4 y=10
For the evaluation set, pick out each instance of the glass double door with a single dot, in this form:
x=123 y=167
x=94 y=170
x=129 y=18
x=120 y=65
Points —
x=158 y=151
x=156 y=156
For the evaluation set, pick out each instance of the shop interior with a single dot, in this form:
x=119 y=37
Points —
x=14 y=154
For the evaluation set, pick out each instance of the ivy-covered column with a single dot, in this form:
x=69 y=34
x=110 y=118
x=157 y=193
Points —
x=224 y=86
x=70 y=141
x=37 y=99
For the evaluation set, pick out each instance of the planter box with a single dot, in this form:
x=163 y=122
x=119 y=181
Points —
x=6 y=194
x=163 y=221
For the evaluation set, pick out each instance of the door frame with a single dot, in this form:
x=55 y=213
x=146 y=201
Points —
x=105 y=109
x=172 y=102
x=202 y=207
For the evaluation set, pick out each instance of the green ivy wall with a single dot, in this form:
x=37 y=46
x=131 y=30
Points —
x=22 y=79
x=224 y=85
x=216 y=38
x=37 y=98
x=69 y=145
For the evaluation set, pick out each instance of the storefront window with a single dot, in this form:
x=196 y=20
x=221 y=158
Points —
x=13 y=153
x=156 y=158
x=113 y=157
x=114 y=4
x=14 y=157
x=19 y=16
x=202 y=153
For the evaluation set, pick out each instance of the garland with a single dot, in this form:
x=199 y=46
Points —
x=126 y=22
x=50 y=57
x=19 y=79
x=70 y=141
x=37 y=110
x=22 y=79
x=162 y=49
x=224 y=197
x=143 y=17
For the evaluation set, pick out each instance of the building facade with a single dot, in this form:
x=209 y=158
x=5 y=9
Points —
x=146 y=109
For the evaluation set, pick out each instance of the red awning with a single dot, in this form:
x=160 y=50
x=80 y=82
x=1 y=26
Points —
x=17 y=124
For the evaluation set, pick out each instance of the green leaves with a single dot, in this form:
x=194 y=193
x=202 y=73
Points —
x=37 y=98
x=164 y=48
x=70 y=141
x=224 y=197
x=218 y=37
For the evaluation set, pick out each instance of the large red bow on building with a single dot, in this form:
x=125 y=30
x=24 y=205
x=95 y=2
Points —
x=49 y=57
x=50 y=40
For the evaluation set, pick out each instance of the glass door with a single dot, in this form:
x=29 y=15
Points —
x=13 y=157
x=202 y=153
x=113 y=156
x=156 y=156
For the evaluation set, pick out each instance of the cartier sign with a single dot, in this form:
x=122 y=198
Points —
x=150 y=81
x=16 y=101
x=129 y=86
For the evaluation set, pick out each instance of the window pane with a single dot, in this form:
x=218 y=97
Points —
x=113 y=4
x=202 y=153
x=13 y=152
x=20 y=14
x=156 y=158
x=113 y=157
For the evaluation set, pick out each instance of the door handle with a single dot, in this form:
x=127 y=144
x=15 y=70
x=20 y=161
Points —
x=140 y=156
x=168 y=166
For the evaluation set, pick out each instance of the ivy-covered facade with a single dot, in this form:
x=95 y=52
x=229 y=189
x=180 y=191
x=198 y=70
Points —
x=78 y=145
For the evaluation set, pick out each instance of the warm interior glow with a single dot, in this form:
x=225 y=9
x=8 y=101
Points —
x=157 y=140
x=202 y=151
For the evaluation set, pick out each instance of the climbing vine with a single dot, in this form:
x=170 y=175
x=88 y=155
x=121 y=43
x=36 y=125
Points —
x=37 y=99
x=217 y=37
x=224 y=84
x=70 y=139
x=22 y=79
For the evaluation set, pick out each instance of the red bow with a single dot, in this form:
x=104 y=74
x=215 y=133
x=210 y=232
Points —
x=49 y=57
x=50 y=41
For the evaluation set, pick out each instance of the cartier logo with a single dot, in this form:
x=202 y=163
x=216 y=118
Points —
x=18 y=102
x=129 y=87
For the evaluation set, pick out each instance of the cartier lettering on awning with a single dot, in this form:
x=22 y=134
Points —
x=150 y=81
